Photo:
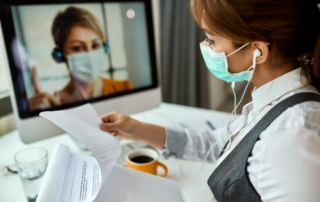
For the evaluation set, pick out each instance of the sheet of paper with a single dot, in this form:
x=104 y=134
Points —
x=82 y=180
x=128 y=185
x=54 y=176
x=83 y=123
x=70 y=177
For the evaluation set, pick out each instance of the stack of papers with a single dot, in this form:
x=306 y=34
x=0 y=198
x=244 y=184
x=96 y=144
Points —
x=72 y=177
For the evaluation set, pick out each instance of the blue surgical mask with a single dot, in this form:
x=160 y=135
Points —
x=218 y=65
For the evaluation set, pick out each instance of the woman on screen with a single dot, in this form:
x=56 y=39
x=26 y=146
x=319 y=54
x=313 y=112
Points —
x=80 y=44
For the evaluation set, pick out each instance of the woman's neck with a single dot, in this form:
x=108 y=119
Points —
x=264 y=73
x=82 y=89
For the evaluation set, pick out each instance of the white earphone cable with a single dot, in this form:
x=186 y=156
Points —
x=232 y=113
x=236 y=105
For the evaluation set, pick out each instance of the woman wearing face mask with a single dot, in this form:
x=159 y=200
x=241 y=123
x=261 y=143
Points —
x=80 y=43
x=272 y=151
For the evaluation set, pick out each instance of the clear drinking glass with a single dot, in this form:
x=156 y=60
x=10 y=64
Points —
x=32 y=164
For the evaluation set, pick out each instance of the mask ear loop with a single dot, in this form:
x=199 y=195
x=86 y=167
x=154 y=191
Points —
x=238 y=49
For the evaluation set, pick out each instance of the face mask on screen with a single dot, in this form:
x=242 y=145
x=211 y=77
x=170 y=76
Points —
x=86 y=66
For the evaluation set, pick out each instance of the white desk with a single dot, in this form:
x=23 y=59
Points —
x=193 y=185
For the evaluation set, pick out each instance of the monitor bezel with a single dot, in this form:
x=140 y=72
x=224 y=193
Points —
x=9 y=35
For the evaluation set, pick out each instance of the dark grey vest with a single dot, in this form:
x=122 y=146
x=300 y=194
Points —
x=230 y=181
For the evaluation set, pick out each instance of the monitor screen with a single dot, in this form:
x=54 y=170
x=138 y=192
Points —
x=67 y=54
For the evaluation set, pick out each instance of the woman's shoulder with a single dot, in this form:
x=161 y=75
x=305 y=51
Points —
x=303 y=115
x=286 y=165
x=310 y=111
x=285 y=161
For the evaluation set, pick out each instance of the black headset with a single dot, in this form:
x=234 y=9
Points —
x=59 y=58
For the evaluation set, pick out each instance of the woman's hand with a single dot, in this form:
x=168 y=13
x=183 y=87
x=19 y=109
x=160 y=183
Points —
x=41 y=100
x=125 y=127
x=121 y=126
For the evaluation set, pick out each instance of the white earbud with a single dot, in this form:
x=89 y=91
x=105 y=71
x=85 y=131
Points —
x=256 y=53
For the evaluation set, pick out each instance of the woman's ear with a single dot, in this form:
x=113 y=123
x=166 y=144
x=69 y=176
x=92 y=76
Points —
x=264 y=49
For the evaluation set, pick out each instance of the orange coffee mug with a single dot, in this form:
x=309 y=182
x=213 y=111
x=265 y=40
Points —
x=145 y=160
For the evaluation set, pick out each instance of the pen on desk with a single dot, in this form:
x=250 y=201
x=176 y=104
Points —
x=210 y=125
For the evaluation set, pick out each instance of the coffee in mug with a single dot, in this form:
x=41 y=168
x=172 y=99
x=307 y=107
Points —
x=142 y=159
x=145 y=160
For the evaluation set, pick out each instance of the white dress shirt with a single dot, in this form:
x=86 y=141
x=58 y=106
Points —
x=285 y=161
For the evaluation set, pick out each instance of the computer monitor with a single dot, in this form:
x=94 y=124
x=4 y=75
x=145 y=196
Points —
x=62 y=54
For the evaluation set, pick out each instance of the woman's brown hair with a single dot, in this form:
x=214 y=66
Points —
x=290 y=26
x=64 y=20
